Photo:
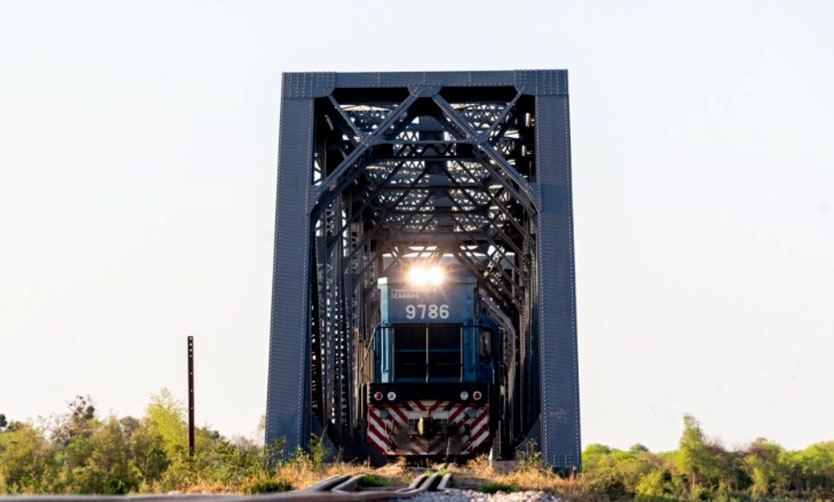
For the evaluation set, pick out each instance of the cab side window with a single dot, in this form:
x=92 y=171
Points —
x=485 y=343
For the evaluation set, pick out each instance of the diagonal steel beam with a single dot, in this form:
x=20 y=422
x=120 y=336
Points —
x=345 y=119
x=343 y=172
x=525 y=193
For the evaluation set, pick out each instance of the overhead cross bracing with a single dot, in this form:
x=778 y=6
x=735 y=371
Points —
x=431 y=176
x=446 y=165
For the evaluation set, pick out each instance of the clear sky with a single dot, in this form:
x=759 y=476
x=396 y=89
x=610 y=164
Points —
x=138 y=147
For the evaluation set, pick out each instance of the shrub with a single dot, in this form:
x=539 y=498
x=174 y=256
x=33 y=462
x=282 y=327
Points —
x=370 y=480
x=496 y=487
x=257 y=485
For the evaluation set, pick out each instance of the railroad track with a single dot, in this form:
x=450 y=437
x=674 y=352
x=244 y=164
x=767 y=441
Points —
x=349 y=488
x=338 y=488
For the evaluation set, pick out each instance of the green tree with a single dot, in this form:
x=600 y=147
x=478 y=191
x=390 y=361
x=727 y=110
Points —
x=109 y=462
x=617 y=474
x=25 y=459
x=80 y=421
x=660 y=484
x=101 y=463
x=593 y=454
x=707 y=467
x=148 y=458
x=816 y=470
x=166 y=417
x=72 y=438
x=694 y=458
x=768 y=474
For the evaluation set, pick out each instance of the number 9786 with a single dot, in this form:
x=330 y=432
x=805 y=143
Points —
x=426 y=311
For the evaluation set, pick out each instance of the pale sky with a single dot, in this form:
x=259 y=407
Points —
x=138 y=148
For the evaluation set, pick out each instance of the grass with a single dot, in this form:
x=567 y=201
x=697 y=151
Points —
x=477 y=474
x=497 y=487
x=515 y=476
x=372 y=480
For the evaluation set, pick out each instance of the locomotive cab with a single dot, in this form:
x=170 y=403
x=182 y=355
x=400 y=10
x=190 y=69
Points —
x=434 y=366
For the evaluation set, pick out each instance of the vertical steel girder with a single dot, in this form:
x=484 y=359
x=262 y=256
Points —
x=288 y=395
x=376 y=167
x=557 y=302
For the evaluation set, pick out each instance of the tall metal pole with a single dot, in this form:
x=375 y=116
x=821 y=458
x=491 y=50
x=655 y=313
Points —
x=191 y=396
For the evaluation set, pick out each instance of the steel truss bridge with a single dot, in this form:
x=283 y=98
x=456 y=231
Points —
x=375 y=168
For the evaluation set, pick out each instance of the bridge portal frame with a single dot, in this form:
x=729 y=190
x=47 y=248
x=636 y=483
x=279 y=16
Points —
x=548 y=351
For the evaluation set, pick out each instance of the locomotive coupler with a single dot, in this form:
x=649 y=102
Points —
x=427 y=426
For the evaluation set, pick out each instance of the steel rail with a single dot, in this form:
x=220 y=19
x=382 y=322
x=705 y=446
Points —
x=336 y=489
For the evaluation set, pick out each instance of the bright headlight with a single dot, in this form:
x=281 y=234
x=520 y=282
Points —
x=435 y=275
x=417 y=275
x=421 y=275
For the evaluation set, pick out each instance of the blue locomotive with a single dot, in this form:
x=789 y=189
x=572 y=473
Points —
x=436 y=366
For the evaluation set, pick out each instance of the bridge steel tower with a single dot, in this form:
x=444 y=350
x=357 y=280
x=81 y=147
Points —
x=469 y=165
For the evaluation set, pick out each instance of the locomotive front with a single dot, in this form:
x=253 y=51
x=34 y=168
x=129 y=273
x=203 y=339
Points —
x=435 y=365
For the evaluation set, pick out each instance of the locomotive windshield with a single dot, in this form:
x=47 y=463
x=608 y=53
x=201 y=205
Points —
x=428 y=352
